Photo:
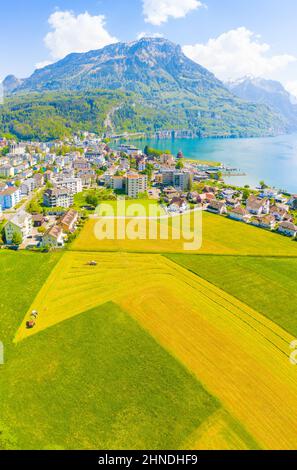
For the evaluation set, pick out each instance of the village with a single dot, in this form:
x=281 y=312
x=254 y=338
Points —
x=48 y=190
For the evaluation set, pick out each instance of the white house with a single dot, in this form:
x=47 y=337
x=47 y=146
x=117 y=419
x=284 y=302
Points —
x=239 y=213
x=257 y=206
x=217 y=207
x=28 y=186
x=288 y=228
x=7 y=171
x=178 y=205
x=53 y=238
x=21 y=224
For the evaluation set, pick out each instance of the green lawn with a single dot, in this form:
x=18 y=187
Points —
x=95 y=381
x=269 y=285
x=222 y=236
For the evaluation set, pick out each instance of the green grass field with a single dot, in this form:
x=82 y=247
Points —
x=269 y=285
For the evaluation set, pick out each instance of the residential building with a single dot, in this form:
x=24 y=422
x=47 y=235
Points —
x=205 y=198
x=141 y=165
x=81 y=164
x=269 y=192
x=10 y=197
x=257 y=206
x=227 y=194
x=55 y=197
x=288 y=229
x=278 y=212
x=53 y=238
x=135 y=185
x=266 y=221
x=17 y=149
x=7 y=171
x=167 y=159
x=38 y=220
x=21 y=223
x=217 y=207
x=239 y=213
x=178 y=204
x=178 y=179
x=28 y=186
x=39 y=180
x=69 y=220
x=117 y=182
x=292 y=203
x=73 y=185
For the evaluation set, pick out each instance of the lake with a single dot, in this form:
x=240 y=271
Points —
x=273 y=160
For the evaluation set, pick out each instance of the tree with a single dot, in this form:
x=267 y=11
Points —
x=4 y=151
x=245 y=194
x=263 y=185
x=149 y=168
x=17 y=238
x=92 y=200
x=180 y=165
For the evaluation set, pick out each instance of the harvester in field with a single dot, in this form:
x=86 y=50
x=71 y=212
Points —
x=92 y=263
x=32 y=322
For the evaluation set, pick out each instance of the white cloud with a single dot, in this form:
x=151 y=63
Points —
x=291 y=87
x=237 y=53
x=157 y=12
x=73 y=33
x=147 y=34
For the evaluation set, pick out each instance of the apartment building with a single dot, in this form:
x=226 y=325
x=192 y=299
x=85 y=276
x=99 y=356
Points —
x=73 y=185
x=56 y=197
x=135 y=185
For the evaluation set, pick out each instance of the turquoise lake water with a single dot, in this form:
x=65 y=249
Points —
x=273 y=160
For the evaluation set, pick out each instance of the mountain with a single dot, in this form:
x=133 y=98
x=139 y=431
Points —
x=152 y=86
x=11 y=83
x=269 y=92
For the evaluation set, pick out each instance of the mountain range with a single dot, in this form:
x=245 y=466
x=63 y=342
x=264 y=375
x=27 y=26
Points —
x=146 y=85
x=269 y=92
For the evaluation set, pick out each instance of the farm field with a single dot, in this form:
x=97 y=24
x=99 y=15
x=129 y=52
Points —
x=208 y=331
x=219 y=236
x=269 y=285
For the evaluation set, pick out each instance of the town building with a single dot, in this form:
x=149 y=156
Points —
x=135 y=185
x=54 y=237
x=7 y=171
x=28 y=186
x=55 y=197
x=73 y=185
x=239 y=213
x=217 y=207
x=288 y=229
x=257 y=206
x=10 y=197
x=69 y=220
x=21 y=224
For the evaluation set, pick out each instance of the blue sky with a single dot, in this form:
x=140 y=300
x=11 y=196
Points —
x=230 y=37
